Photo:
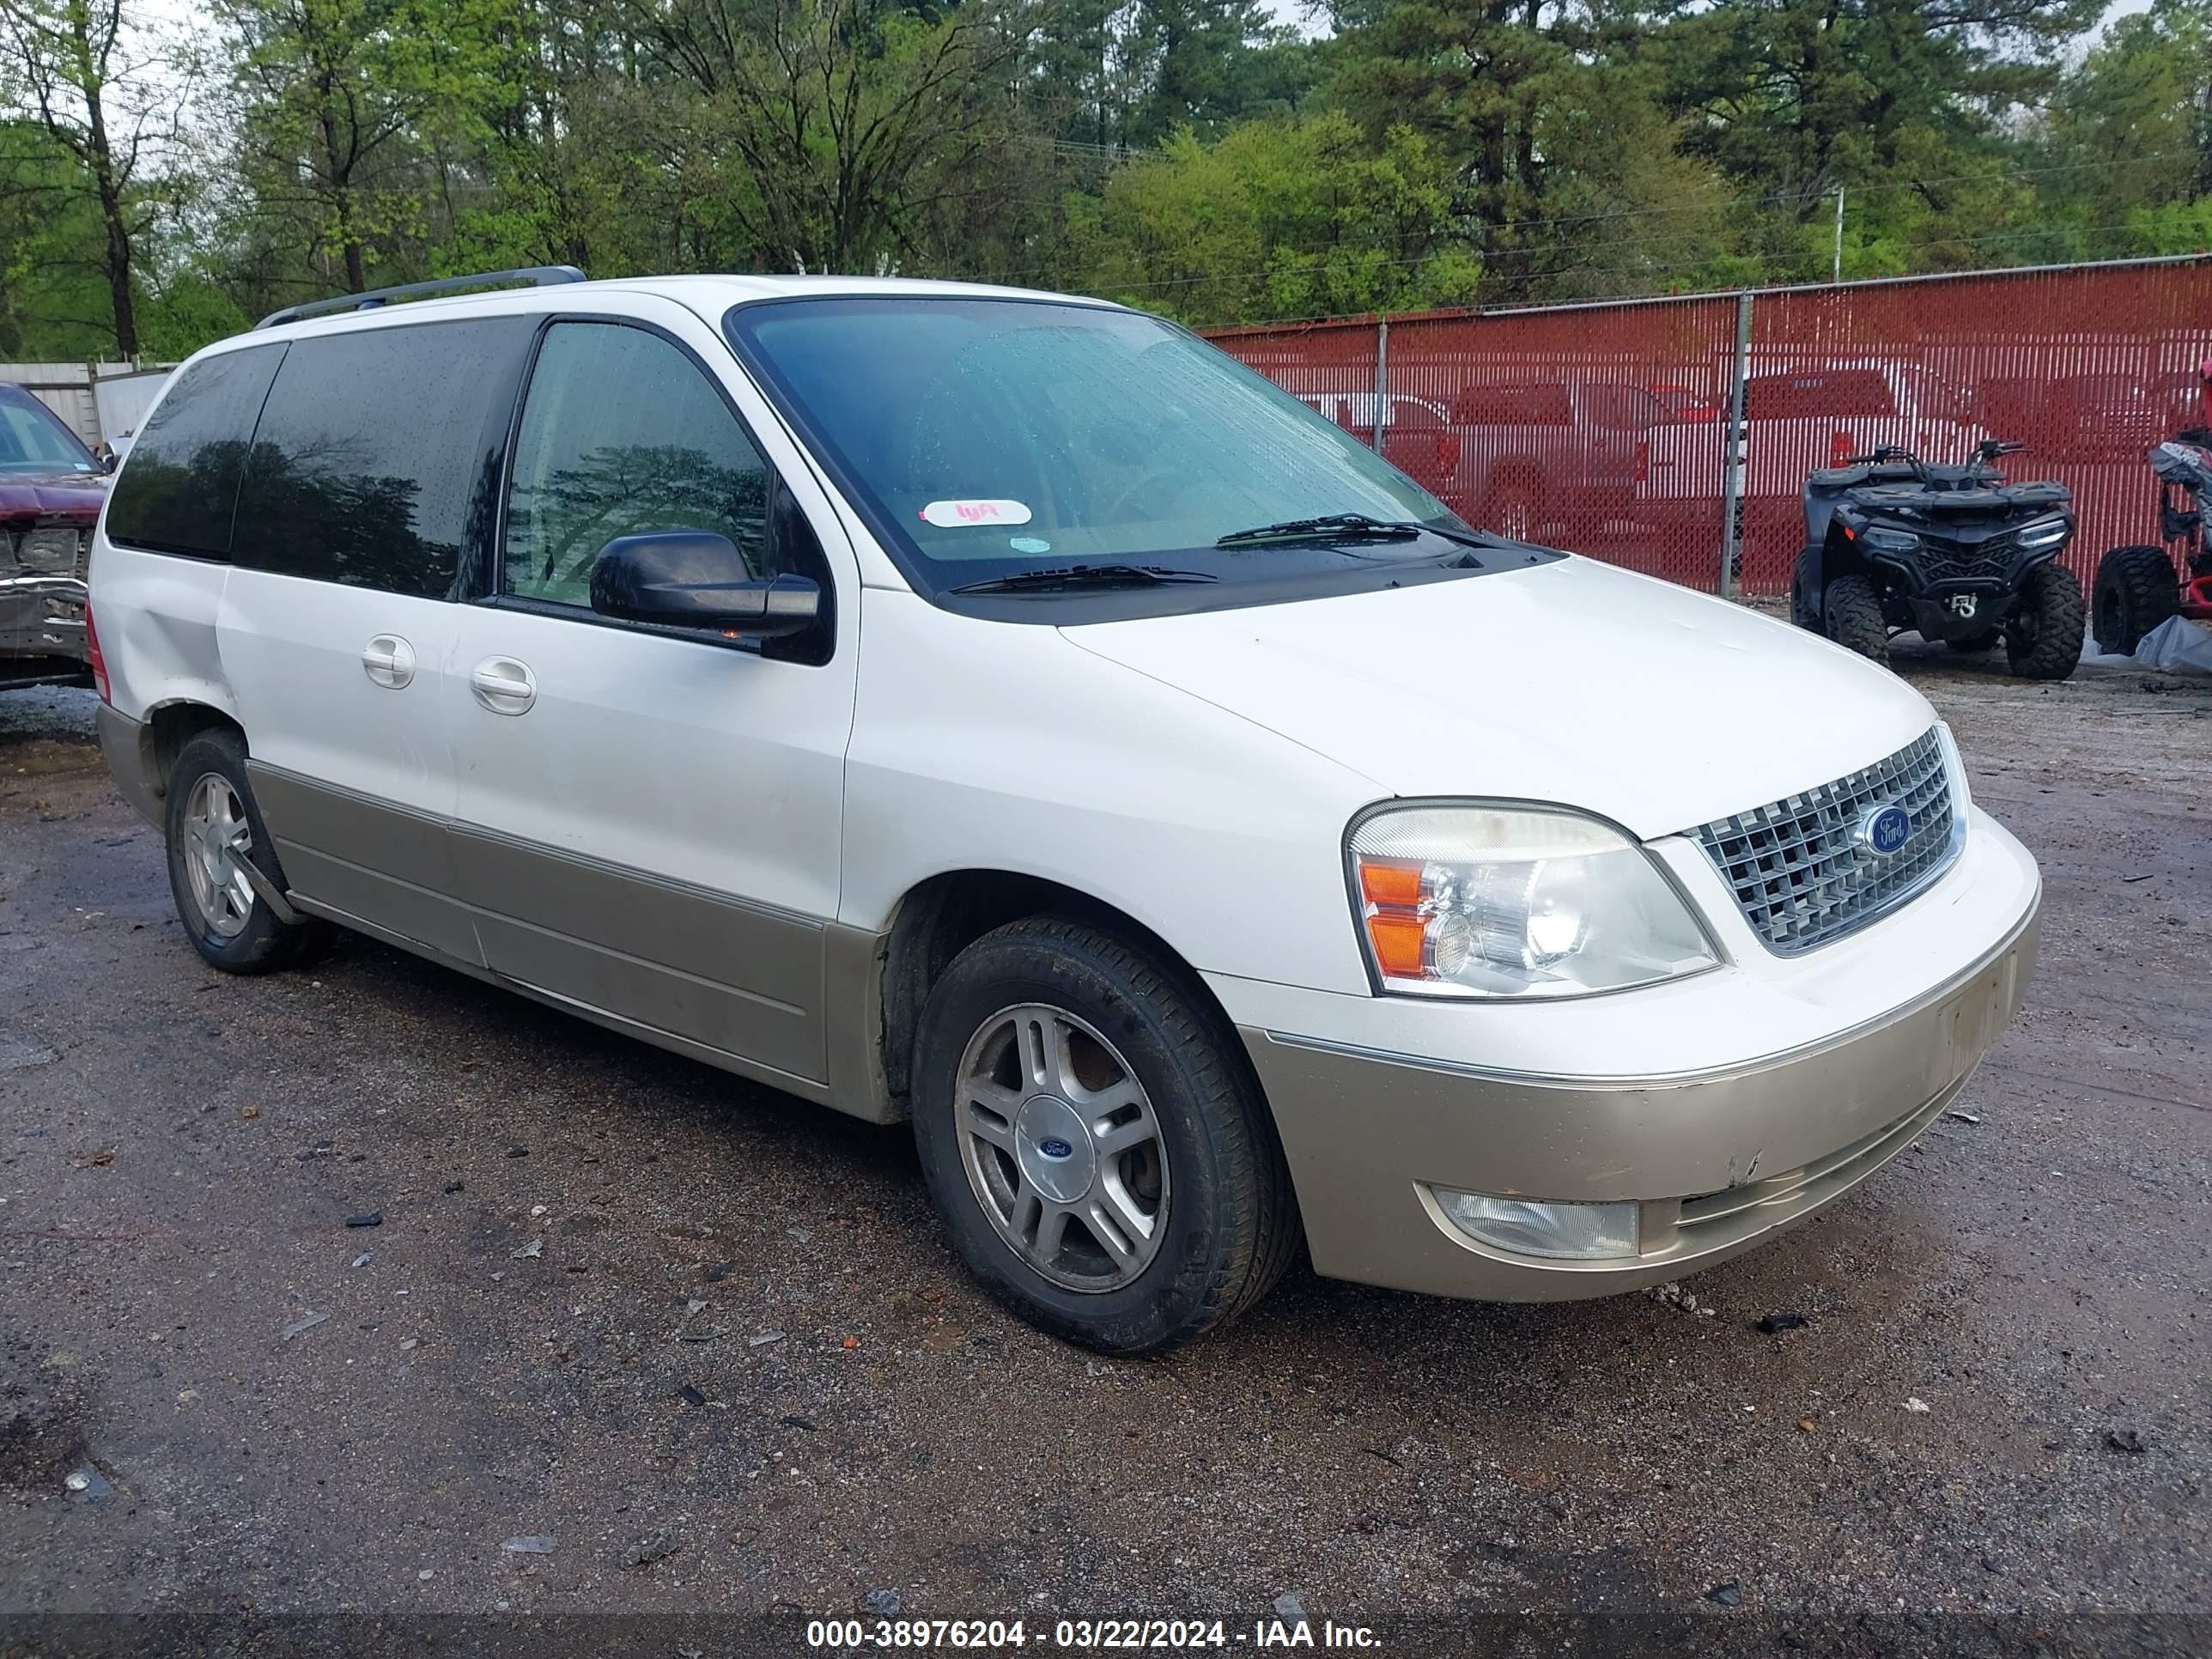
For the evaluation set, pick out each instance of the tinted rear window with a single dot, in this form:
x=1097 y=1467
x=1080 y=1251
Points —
x=179 y=484
x=377 y=460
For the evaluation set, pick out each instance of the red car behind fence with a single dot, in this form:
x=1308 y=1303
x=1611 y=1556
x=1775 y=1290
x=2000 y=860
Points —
x=1606 y=427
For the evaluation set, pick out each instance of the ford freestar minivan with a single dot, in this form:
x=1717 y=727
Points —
x=1006 y=711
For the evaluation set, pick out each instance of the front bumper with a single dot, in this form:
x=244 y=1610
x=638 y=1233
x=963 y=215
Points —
x=41 y=616
x=1718 y=1157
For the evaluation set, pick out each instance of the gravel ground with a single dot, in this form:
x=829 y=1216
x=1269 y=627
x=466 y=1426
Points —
x=709 y=1342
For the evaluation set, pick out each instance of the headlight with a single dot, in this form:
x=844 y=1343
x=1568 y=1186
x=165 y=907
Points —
x=1891 y=541
x=1515 y=901
x=1954 y=773
x=2044 y=532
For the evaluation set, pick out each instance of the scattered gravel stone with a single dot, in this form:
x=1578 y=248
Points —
x=691 y=1396
x=364 y=1258
x=528 y=1252
x=1916 y=1404
x=1289 y=1605
x=305 y=1323
x=764 y=1338
x=365 y=1218
x=882 y=1602
x=659 y=1548
x=2125 y=1440
x=1728 y=1594
x=1775 y=1323
x=795 y=1421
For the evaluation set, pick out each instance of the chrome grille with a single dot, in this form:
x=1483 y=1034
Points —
x=1797 y=867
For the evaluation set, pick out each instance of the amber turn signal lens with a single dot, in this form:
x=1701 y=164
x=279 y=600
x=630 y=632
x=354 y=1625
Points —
x=1394 y=884
x=1399 y=943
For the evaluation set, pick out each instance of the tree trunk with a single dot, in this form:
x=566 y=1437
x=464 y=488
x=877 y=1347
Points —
x=102 y=158
x=340 y=175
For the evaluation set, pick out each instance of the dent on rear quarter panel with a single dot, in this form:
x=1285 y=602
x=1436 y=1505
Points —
x=156 y=616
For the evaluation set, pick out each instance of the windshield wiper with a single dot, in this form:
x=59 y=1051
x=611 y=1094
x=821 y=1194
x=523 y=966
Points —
x=1085 y=575
x=1353 y=527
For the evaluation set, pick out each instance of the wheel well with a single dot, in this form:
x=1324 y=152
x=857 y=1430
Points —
x=947 y=913
x=1839 y=558
x=168 y=729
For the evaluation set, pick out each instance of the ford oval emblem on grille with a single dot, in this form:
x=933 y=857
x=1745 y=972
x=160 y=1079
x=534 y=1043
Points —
x=1883 y=828
x=1056 y=1147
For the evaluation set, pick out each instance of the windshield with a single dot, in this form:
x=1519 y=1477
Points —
x=988 y=437
x=33 y=440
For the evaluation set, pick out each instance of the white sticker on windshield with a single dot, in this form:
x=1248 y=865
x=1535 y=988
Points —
x=951 y=515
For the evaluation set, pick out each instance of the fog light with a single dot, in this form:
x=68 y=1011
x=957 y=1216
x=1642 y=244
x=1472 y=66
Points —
x=1581 y=1232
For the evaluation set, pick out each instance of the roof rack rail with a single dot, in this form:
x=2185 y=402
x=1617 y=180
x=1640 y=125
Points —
x=534 y=275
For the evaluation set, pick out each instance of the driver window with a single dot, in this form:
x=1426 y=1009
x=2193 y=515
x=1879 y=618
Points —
x=622 y=434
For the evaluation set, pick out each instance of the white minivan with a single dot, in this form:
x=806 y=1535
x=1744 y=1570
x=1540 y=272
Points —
x=1007 y=712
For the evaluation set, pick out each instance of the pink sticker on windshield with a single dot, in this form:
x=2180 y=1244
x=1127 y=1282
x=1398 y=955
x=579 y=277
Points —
x=950 y=515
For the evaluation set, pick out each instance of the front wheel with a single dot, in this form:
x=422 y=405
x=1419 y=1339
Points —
x=2043 y=636
x=2137 y=590
x=1851 y=611
x=1102 y=1160
x=1511 y=511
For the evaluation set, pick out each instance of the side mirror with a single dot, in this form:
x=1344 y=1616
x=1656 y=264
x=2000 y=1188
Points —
x=695 y=579
x=109 y=461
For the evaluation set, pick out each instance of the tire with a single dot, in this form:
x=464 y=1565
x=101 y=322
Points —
x=2043 y=636
x=1802 y=614
x=2137 y=590
x=1223 y=1221
x=1511 y=511
x=1976 y=646
x=1851 y=611
x=229 y=925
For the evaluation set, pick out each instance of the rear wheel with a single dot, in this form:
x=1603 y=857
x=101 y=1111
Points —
x=2043 y=635
x=215 y=832
x=1104 y=1164
x=1851 y=612
x=2137 y=590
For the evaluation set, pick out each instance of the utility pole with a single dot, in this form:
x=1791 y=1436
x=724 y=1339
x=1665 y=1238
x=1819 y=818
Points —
x=1838 y=275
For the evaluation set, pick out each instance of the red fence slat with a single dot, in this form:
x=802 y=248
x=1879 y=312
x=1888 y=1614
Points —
x=1603 y=428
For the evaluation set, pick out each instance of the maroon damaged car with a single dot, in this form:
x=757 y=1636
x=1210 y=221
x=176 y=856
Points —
x=50 y=489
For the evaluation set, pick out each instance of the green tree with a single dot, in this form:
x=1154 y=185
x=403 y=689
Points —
x=1286 y=217
x=81 y=72
x=344 y=103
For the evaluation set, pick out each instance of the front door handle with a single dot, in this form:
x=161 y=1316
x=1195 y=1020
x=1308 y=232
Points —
x=389 y=661
x=504 y=685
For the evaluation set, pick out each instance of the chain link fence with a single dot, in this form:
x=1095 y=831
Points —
x=1606 y=428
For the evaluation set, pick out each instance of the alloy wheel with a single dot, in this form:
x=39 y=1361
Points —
x=217 y=839
x=1062 y=1148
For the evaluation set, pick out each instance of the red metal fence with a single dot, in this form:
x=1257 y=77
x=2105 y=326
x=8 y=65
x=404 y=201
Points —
x=1604 y=428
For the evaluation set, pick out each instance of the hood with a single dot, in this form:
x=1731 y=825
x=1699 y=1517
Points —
x=63 y=492
x=1571 y=682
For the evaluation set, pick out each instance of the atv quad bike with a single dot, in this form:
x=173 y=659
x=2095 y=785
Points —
x=1895 y=545
x=2138 y=587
